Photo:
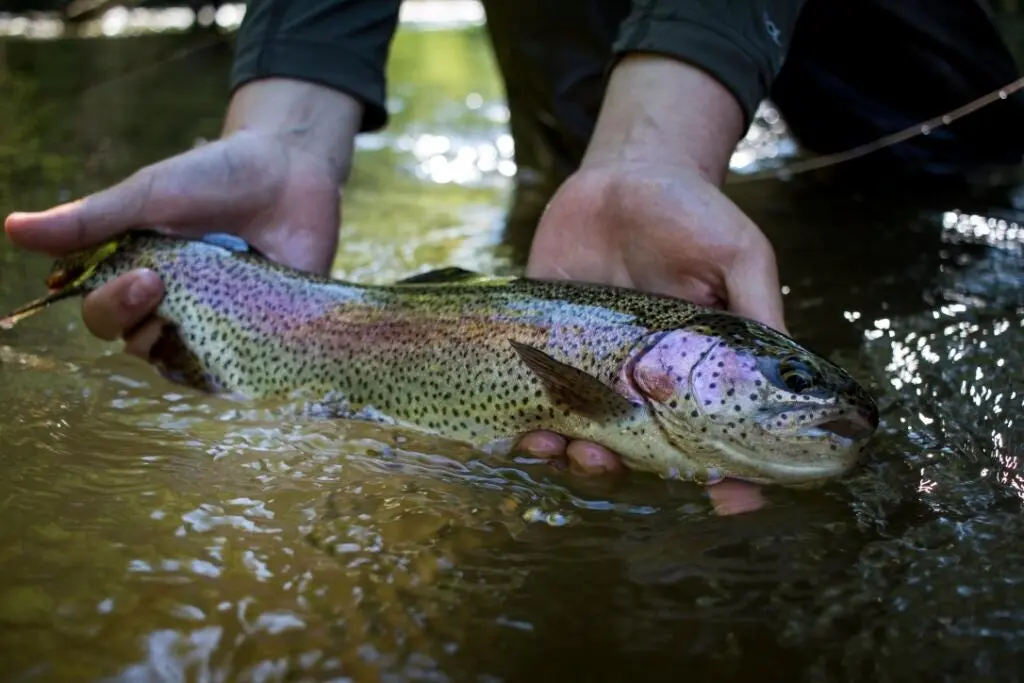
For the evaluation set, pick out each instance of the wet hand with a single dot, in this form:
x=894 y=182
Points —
x=660 y=229
x=280 y=198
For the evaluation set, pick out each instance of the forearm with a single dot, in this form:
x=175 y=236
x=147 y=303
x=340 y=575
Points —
x=659 y=110
x=342 y=45
x=318 y=120
x=688 y=78
x=311 y=72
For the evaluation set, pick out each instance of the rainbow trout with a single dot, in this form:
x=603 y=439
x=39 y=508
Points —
x=676 y=389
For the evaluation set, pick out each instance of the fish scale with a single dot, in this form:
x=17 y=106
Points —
x=676 y=389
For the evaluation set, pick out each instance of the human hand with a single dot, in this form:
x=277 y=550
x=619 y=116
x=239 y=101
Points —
x=638 y=216
x=659 y=229
x=662 y=230
x=252 y=185
x=277 y=189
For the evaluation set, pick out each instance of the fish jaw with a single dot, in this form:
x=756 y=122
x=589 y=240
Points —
x=742 y=464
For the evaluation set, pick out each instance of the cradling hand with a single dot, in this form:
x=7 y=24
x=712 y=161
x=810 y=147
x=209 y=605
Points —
x=281 y=199
x=273 y=178
x=645 y=211
x=659 y=229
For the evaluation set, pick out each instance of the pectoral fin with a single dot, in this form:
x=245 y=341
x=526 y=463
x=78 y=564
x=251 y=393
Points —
x=575 y=389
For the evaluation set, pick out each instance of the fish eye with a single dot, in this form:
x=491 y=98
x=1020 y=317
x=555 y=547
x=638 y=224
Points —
x=797 y=375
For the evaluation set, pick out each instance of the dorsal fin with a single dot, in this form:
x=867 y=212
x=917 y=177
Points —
x=451 y=276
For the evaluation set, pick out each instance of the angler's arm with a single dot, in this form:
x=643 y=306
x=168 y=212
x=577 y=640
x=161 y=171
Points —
x=687 y=78
x=313 y=72
x=645 y=210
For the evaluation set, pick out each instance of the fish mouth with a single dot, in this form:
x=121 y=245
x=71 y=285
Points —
x=851 y=427
x=844 y=429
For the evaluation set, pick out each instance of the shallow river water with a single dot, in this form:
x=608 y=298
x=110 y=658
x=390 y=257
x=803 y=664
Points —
x=150 y=534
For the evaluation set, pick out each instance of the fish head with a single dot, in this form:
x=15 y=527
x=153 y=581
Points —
x=753 y=403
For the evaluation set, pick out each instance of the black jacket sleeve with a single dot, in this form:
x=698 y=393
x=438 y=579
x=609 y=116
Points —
x=741 y=43
x=342 y=44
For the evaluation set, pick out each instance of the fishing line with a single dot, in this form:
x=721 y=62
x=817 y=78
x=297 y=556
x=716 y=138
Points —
x=881 y=143
x=173 y=57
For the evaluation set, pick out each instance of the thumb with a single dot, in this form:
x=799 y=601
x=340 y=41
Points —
x=84 y=222
x=754 y=291
x=194 y=183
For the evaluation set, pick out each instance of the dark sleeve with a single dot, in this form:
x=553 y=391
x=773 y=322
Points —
x=741 y=43
x=341 y=44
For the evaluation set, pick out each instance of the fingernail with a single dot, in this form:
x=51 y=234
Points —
x=143 y=289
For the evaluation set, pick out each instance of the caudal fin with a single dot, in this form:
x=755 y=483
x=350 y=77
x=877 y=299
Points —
x=13 y=318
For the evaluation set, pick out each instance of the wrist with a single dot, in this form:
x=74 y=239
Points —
x=659 y=110
x=319 y=121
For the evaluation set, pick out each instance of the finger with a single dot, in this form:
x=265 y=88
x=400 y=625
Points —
x=121 y=304
x=730 y=497
x=589 y=459
x=754 y=291
x=140 y=341
x=543 y=444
